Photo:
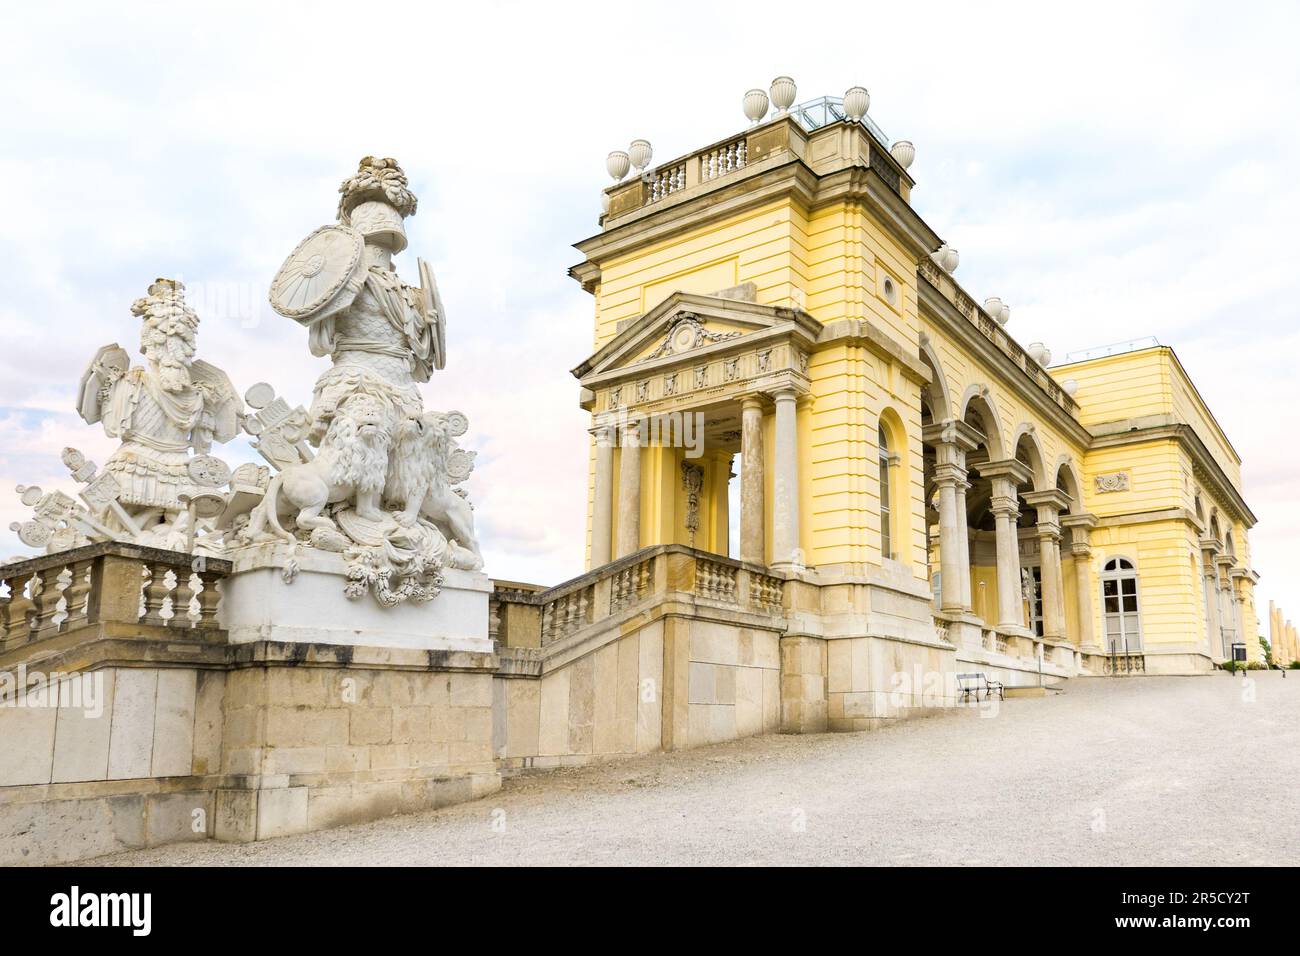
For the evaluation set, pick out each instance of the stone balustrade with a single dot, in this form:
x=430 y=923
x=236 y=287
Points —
x=948 y=287
x=567 y=612
x=630 y=585
x=715 y=581
x=834 y=146
x=109 y=582
x=1129 y=662
x=765 y=592
x=525 y=617
x=665 y=181
x=720 y=160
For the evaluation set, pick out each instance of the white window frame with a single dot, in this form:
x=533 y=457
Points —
x=1036 y=624
x=1118 y=575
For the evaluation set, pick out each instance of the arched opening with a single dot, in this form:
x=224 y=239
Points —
x=935 y=403
x=886 y=512
x=1119 y=605
x=981 y=523
x=1067 y=482
x=1028 y=453
x=929 y=461
x=978 y=412
x=891 y=443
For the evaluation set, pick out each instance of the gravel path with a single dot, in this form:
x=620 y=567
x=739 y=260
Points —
x=1122 y=771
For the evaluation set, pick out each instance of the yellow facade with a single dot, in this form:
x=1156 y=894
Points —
x=847 y=318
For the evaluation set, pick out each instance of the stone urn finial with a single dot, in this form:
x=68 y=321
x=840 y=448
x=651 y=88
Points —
x=904 y=153
x=856 y=103
x=640 y=152
x=755 y=106
x=617 y=164
x=783 y=92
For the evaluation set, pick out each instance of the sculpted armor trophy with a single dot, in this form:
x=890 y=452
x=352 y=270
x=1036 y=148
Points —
x=379 y=486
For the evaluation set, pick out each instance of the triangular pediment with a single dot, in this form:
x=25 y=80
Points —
x=687 y=324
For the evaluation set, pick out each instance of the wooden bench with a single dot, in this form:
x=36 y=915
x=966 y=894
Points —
x=969 y=684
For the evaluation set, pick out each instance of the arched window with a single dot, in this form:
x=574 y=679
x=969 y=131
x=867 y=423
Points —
x=886 y=520
x=1119 y=604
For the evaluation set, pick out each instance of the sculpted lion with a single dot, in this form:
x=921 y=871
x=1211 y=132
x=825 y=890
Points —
x=418 y=481
x=353 y=461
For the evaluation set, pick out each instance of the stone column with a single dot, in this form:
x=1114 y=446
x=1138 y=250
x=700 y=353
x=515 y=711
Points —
x=1227 y=614
x=951 y=441
x=785 y=465
x=951 y=538
x=602 y=507
x=1235 y=593
x=1081 y=526
x=963 y=553
x=1005 y=507
x=629 y=492
x=1210 y=575
x=1049 y=504
x=1049 y=545
x=751 y=481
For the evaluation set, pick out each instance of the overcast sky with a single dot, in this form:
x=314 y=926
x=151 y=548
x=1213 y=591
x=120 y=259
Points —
x=1112 y=171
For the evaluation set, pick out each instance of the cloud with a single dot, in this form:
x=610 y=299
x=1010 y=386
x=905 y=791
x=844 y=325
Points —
x=1124 y=172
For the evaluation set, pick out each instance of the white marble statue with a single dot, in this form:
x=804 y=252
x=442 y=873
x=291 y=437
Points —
x=379 y=486
x=154 y=489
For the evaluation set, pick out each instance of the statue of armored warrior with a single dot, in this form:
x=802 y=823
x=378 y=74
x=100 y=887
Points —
x=381 y=479
x=161 y=411
x=382 y=335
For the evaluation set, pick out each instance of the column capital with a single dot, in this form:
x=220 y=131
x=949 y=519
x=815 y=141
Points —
x=1050 y=503
x=1080 y=526
x=1003 y=502
x=1009 y=469
x=605 y=431
x=1085 y=521
x=751 y=400
x=950 y=474
x=1210 y=546
x=963 y=437
x=784 y=393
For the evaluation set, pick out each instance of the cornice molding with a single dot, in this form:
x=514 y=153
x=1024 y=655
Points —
x=956 y=326
x=1204 y=466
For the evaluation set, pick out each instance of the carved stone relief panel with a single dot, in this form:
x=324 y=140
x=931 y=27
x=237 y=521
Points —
x=1113 y=481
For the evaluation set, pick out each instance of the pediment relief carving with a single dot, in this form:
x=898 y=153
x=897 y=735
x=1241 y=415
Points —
x=689 y=329
x=685 y=333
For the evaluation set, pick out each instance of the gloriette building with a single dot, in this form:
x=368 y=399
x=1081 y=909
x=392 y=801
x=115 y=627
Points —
x=930 y=483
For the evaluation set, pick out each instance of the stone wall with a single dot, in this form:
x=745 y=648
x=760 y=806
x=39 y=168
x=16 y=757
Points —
x=123 y=729
x=137 y=768
x=668 y=683
x=320 y=745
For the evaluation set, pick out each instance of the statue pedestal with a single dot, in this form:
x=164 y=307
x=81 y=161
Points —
x=257 y=605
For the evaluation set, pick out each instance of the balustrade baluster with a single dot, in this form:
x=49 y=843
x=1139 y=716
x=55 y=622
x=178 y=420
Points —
x=155 y=595
x=77 y=595
x=46 y=595
x=209 y=599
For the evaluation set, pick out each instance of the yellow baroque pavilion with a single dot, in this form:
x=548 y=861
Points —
x=773 y=304
x=826 y=488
